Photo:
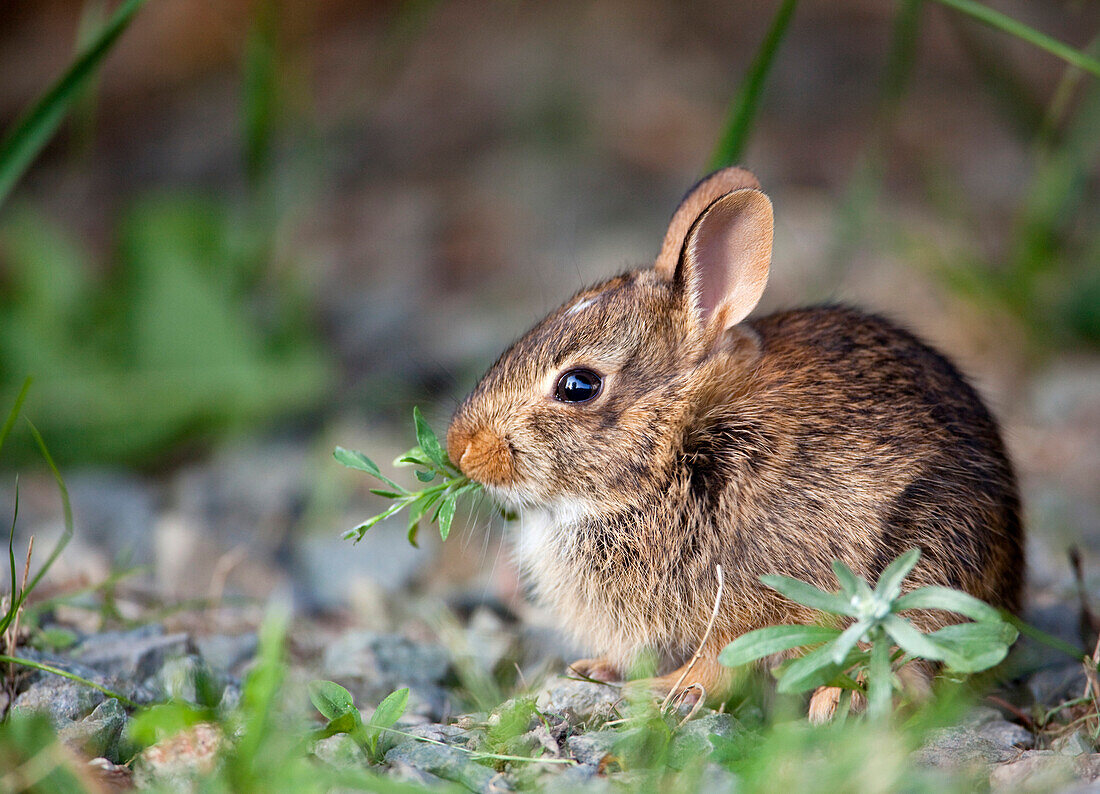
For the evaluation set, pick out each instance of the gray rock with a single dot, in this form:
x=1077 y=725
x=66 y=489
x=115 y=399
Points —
x=1073 y=744
x=447 y=763
x=372 y=665
x=573 y=779
x=340 y=751
x=1033 y=770
x=98 y=733
x=1055 y=684
x=957 y=747
x=132 y=655
x=988 y=723
x=227 y=652
x=591 y=748
x=62 y=700
x=693 y=741
x=579 y=701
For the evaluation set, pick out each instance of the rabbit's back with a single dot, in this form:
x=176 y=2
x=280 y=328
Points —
x=857 y=441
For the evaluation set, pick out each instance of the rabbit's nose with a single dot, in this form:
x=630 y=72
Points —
x=481 y=454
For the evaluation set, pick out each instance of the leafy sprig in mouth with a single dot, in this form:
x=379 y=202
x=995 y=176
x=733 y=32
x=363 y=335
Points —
x=437 y=501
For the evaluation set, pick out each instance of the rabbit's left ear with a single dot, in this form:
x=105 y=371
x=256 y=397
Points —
x=718 y=247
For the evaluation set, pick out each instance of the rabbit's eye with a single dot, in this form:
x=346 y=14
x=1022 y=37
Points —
x=578 y=386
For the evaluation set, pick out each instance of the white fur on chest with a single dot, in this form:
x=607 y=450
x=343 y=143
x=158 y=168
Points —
x=545 y=552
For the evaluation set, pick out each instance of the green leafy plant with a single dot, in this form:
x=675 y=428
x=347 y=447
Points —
x=336 y=704
x=440 y=499
x=861 y=657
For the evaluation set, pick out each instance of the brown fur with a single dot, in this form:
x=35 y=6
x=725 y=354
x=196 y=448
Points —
x=770 y=446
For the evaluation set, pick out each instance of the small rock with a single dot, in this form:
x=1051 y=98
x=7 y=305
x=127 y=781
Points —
x=1074 y=744
x=1007 y=735
x=1055 y=684
x=62 y=700
x=98 y=733
x=579 y=701
x=591 y=748
x=447 y=763
x=340 y=751
x=1034 y=770
x=227 y=652
x=956 y=747
x=693 y=741
x=132 y=655
x=179 y=759
x=583 y=778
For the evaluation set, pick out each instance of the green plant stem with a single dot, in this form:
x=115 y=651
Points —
x=1013 y=27
x=35 y=129
x=46 y=668
x=738 y=127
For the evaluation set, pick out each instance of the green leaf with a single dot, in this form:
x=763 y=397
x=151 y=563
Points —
x=359 y=461
x=880 y=679
x=808 y=595
x=386 y=494
x=849 y=639
x=150 y=725
x=446 y=515
x=739 y=121
x=331 y=699
x=425 y=476
x=912 y=641
x=935 y=597
x=34 y=130
x=774 y=639
x=849 y=582
x=427 y=440
x=976 y=646
x=889 y=583
x=349 y=722
x=815 y=669
x=414 y=529
x=391 y=708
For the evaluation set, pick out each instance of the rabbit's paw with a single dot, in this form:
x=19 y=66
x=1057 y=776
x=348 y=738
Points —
x=599 y=669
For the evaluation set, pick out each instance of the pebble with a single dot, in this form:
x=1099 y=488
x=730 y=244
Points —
x=98 y=733
x=579 y=701
x=447 y=763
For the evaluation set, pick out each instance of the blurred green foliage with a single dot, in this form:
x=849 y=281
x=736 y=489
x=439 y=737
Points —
x=182 y=335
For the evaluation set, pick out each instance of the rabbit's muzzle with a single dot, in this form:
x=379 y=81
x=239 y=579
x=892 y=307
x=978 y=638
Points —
x=481 y=454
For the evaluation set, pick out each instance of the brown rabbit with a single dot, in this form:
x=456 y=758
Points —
x=647 y=433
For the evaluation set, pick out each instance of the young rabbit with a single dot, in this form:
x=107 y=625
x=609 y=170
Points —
x=647 y=433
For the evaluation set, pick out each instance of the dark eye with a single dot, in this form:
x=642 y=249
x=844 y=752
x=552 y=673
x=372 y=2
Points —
x=578 y=386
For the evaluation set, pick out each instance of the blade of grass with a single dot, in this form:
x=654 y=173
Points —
x=14 y=413
x=739 y=120
x=62 y=542
x=46 y=668
x=1014 y=27
x=38 y=125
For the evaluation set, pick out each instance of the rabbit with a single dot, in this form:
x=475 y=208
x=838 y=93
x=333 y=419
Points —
x=646 y=433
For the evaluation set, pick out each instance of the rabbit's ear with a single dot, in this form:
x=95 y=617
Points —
x=718 y=246
x=723 y=264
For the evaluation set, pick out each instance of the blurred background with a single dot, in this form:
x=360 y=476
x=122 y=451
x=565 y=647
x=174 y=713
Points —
x=269 y=227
